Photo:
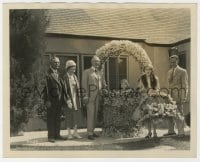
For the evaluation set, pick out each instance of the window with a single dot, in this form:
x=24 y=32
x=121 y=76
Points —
x=117 y=71
x=86 y=62
x=182 y=59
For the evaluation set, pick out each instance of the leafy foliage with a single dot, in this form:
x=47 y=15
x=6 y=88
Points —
x=27 y=44
x=124 y=113
x=117 y=114
x=27 y=29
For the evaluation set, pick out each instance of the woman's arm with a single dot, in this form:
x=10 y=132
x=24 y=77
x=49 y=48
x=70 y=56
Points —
x=141 y=85
x=67 y=97
x=158 y=83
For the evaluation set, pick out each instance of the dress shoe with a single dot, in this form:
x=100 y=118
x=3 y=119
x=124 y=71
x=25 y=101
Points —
x=181 y=135
x=170 y=134
x=95 y=135
x=61 y=138
x=51 y=140
x=69 y=137
x=90 y=137
x=76 y=135
x=148 y=136
x=155 y=135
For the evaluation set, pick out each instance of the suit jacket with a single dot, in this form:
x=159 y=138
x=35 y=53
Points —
x=92 y=83
x=53 y=91
x=178 y=84
x=69 y=89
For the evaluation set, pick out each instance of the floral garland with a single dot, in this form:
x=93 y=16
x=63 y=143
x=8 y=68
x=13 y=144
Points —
x=117 y=47
x=157 y=107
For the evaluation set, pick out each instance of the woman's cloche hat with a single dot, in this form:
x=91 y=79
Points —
x=70 y=63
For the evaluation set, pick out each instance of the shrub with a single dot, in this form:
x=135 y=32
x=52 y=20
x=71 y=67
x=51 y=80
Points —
x=27 y=44
x=117 y=114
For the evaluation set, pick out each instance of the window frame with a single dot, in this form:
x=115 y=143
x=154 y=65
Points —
x=127 y=67
x=82 y=60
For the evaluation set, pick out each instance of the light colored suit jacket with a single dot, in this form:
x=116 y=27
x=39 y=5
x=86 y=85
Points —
x=178 y=84
x=92 y=83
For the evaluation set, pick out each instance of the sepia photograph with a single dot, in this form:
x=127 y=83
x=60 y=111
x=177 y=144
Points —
x=100 y=80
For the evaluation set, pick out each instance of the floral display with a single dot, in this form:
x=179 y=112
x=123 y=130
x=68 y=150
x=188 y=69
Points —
x=125 y=113
x=157 y=107
x=118 y=47
x=117 y=114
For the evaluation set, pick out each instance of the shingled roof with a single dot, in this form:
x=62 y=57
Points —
x=160 y=26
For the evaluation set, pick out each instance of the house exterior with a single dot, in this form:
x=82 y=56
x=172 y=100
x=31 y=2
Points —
x=77 y=33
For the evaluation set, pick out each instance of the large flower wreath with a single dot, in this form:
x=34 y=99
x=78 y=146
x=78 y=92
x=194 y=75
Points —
x=118 y=107
x=118 y=47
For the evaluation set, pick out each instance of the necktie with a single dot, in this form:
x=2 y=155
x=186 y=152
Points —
x=56 y=74
x=98 y=77
x=173 y=74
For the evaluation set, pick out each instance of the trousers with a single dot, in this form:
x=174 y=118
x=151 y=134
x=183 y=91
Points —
x=53 y=121
x=180 y=123
x=92 y=111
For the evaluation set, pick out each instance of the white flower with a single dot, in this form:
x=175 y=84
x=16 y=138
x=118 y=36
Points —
x=116 y=47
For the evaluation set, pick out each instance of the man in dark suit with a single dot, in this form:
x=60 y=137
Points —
x=53 y=100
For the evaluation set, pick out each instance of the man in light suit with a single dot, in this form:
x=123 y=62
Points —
x=178 y=86
x=92 y=83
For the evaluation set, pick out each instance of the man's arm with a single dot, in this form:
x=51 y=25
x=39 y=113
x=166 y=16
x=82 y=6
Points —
x=85 y=84
x=46 y=92
x=158 y=83
x=104 y=85
x=185 y=82
x=140 y=85
x=169 y=77
x=66 y=97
